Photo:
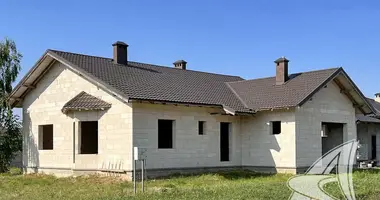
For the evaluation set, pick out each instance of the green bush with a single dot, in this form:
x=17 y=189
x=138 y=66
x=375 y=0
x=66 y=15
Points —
x=15 y=171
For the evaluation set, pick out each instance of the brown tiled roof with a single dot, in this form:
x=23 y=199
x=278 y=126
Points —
x=85 y=101
x=261 y=94
x=139 y=81
x=364 y=118
x=376 y=105
x=152 y=82
x=373 y=118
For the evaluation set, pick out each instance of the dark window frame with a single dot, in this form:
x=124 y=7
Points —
x=89 y=137
x=276 y=127
x=201 y=127
x=46 y=137
x=165 y=135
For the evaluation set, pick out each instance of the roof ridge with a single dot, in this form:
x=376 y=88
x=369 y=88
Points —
x=143 y=63
x=318 y=70
x=237 y=95
x=251 y=79
x=79 y=54
x=190 y=70
x=332 y=68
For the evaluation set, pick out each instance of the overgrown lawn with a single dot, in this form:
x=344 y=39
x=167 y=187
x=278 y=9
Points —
x=223 y=185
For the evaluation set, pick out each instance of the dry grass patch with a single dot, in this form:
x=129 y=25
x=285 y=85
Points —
x=223 y=185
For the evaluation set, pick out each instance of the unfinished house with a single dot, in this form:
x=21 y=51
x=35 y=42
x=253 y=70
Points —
x=368 y=128
x=84 y=114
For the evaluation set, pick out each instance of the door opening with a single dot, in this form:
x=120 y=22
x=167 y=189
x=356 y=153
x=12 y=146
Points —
x=224 y=141
x=373 y=147
x=332 y=136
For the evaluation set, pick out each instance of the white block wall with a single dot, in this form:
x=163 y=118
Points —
x=365 y=132
x=261 y=148
x=190 y=149
x=327 y=105
x=43 y=106
x=251 y=141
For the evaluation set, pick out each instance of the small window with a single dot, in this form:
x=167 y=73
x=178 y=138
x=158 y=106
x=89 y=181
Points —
x=165 y=134
x=89 y=137
x=276 y=127
x=201 y=127
x=45 y=137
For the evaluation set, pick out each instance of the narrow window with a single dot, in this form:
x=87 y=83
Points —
x=165 y=134
x=89 y=137
x=201 y=127
x=45 y=137
x=276 y=127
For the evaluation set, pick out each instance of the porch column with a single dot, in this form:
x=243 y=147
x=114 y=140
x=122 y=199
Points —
x=76 y=141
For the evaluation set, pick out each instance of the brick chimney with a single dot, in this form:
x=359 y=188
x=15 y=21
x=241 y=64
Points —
x=281 y=70
x=120 y=53
x=377 y=97
x=180 y=64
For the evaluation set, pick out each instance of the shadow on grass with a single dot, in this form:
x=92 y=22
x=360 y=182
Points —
x=368 y=171
x=227 y=174
x=374 y=170
x=242 y=174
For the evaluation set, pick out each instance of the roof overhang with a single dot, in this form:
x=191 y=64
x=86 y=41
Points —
x=366 y=119
x=29 y=81
x=224 y=109
x=85 y=102
x=65 y=110
x=347 y=87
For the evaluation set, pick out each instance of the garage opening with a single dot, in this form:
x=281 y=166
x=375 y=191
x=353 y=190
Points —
x=89 y=137
x=332 y=136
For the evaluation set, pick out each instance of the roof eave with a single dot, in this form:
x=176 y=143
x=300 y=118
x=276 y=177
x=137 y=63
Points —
x=66 y=110
x=50 y=57
x=226 y=109
x=304 y=100
x=356 y=89
x=142 y=100
x=372 y=110
x=276 y=108
x=13 y=97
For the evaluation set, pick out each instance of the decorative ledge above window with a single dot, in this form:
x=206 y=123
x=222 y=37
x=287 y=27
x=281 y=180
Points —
x=85 y=102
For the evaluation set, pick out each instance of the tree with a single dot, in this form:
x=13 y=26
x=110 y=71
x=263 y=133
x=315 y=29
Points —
x=10 y=141
x=10 y=126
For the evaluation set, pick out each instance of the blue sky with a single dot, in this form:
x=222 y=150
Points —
x=230 y=37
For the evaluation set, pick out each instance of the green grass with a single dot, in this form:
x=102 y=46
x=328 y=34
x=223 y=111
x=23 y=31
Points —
x=223 y=185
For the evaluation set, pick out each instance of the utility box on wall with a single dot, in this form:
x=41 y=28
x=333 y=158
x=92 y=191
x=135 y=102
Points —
x=139 y=153
x=324 y=130
x=135 y=153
